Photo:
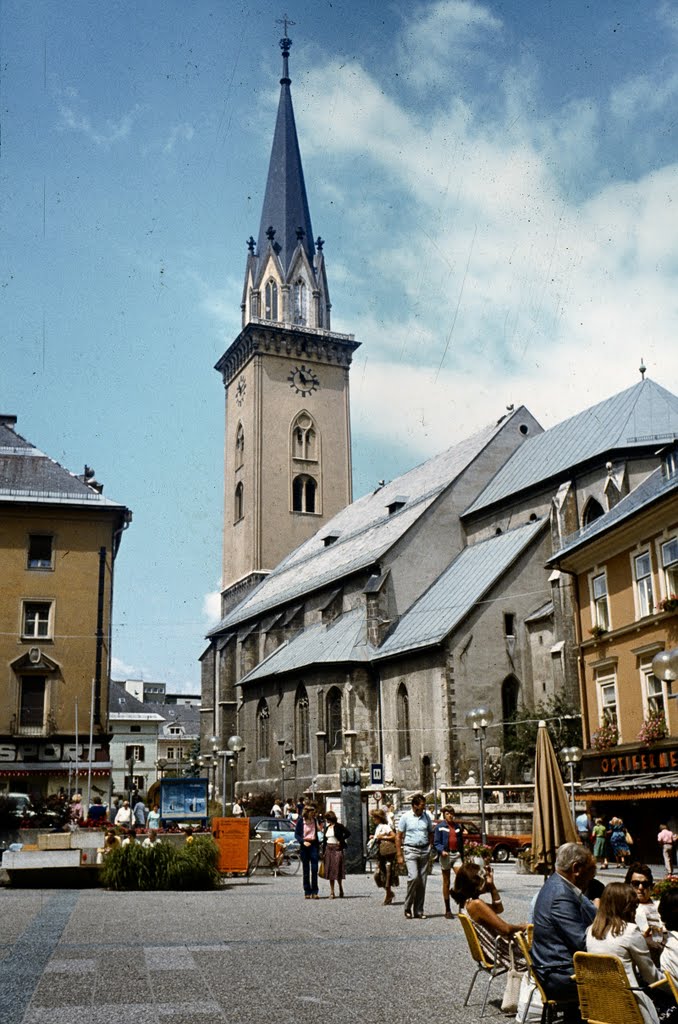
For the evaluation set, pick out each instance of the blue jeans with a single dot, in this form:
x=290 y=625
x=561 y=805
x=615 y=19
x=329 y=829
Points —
x=309 y=856
x=416 y=862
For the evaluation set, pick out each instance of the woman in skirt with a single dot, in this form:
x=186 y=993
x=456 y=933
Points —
x=334 y=844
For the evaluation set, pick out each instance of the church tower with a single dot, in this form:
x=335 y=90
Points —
x=287 y=464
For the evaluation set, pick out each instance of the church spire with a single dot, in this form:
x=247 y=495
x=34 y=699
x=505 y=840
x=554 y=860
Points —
x=285 y=209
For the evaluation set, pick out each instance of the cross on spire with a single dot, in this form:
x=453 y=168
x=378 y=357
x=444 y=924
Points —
x=285 y=21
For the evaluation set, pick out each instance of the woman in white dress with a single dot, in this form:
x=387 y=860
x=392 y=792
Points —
x=614 y=931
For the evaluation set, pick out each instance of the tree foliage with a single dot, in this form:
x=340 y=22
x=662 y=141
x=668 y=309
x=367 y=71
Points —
x=563 y=721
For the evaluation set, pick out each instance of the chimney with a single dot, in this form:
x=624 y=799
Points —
x=7 y=421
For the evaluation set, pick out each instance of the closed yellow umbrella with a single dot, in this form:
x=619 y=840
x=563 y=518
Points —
x=552 y=823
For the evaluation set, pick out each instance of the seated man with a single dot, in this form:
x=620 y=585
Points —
x=561 y=916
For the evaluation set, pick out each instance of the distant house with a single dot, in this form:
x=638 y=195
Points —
x=134 y=741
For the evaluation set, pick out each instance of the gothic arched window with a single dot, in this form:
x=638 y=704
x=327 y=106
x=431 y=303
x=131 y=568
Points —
x=335 y=736
x=271 y=298
x=262 y=730
x=403 y=723
x=304 y=493
x=302 y=732
x=239 y=446
x=300 y=302
x=304 y=438
x=510 y=691
x=592 y=510
x=239 y=503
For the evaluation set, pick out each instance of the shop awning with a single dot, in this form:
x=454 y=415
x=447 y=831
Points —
x=644 y=786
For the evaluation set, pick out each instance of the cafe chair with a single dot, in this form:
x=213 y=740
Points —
x=490 y=964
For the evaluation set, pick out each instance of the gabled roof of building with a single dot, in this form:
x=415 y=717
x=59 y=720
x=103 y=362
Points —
x=28 y=475
x=186 y=715
x=653 y=488
x=642 y=415
x=458 y=590
x=285 y=206
x=122 y=705
x=343 y=641
x=365 y=530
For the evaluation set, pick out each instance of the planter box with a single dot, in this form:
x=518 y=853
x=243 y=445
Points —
x=54 y=841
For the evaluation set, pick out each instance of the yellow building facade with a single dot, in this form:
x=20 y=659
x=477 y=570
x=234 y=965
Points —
x=58 y=541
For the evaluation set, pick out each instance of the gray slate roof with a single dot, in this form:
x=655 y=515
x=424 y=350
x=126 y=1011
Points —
x=456 y=592
x=121 y=702
x=653 y=488
x=340 y=642
x=642 y=415
x=285 y=204
x=365 y=531
x=28 y=475
x=177 y=714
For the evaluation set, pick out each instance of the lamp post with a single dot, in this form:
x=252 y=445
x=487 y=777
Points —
x=571 y=757
x=160 y=765
x=235 y=746
x=479 y=719
x=282 y=781
x=435 y=768
x=665 y=667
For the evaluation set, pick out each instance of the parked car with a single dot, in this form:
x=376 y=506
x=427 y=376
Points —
x=503 y=847
x=24 y=807
x=273 y=828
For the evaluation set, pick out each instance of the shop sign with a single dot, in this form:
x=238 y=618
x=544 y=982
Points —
x=630 y=761
x=11 y=752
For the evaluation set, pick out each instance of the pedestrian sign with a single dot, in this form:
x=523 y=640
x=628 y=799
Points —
x=376 y=774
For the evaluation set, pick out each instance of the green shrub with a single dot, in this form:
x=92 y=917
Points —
x=163 y=866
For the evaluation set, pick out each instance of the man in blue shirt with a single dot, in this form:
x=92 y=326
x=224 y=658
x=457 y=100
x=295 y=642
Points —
x=413 y=843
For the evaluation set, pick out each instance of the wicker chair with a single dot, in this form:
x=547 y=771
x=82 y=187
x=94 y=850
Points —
x=549 y=1006
x=491 y=966
x=605 y=995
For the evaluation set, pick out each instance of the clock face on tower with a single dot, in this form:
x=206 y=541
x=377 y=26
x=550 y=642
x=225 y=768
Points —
x=240 y=391
x=303 y=380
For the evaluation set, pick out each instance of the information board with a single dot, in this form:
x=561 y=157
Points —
x=183 y=799
x=232 y=836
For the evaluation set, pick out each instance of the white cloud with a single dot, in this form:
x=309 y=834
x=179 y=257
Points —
x=104 y=136
x=211 y=608
x=437 y=35
x=179 y=133
x=123 y=670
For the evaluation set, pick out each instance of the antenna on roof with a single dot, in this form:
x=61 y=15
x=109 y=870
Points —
x=642 y=369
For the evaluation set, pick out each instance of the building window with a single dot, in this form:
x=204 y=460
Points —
x=510 y=691
x=37 y=620
x=300 y=302
x=134 y=782
x=40 y=549
x=262 y=731
x=335 y=736
x=302 y=732
x=135 y=751
x=304 y=494
x=642 y=571
x=654 y=698
x=304 y=438
x=170 y=754
x=238 y=503
x=239 y=446
x=607 y=697
x=403 y=723
x=670 y=464
x=32 y=702
x=592 y=510
x=509 y=624
x=271 y=297
x=670 y=566
x=135 y=728
x=601 y=611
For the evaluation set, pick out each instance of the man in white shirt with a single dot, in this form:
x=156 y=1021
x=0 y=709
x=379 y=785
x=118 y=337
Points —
x=414 y=837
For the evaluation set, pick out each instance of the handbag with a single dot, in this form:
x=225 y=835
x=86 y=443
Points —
x=509 y=1002
x=628 y=837
x=387 y=847
x=372 y=848
x=321 y=869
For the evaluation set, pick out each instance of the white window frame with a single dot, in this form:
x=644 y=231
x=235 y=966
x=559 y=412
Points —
x=35 y=634
x=659 y=688
x=595 y=617
x=668 y=585
x=606 y=679
x=643 y=585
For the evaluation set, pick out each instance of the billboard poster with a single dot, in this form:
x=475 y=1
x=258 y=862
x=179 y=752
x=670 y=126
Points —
x=183 y=799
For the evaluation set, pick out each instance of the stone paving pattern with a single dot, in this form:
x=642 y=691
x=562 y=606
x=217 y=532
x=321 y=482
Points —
x=253 y=953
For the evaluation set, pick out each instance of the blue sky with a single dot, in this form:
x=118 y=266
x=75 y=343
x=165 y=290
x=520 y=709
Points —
x=497 y=185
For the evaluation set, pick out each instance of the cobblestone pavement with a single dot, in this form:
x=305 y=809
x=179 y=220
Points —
x=253 y=953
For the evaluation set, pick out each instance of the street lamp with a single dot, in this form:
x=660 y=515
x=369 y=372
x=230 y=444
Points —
x=665 y=667
x=435 y=768
x=235 y=746
x=282 y=783
x=479 y=719
x=160 y=765
x=572 y=756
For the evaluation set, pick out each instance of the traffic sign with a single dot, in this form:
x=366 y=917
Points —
x=376 y=774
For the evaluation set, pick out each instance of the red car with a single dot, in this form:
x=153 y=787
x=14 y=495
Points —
x=502 y=846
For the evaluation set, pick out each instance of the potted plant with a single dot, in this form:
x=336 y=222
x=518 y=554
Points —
x=670 y=603
x=597 y=632
x=605 y=737
x=653 y=728
x=477 y=853
x=524 y=862
x=668 y=884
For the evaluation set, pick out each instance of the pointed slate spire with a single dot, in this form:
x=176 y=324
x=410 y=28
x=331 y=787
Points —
x=285 y=207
